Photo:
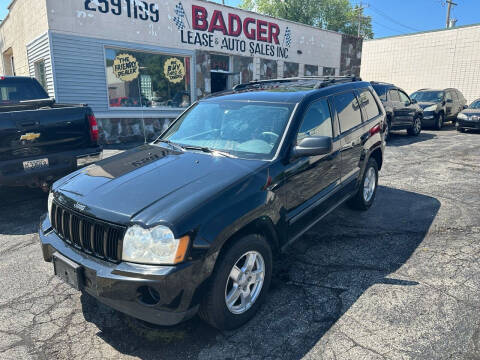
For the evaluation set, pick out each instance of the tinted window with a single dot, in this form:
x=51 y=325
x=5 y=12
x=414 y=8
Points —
x=369 y=104
x=348 y=111
x=454 y=96
x=393 y=95
x=14 y=90
x=403 y=97
x=475 y=105
x=448 y=96
x=381 y=92
x=317 y=121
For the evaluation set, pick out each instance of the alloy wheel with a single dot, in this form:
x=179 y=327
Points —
x=369 y=184
x=245 y=282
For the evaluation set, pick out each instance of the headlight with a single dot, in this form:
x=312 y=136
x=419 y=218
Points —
x=430 y=108
x=153 y=246
x=49 y=205
x=462 y=116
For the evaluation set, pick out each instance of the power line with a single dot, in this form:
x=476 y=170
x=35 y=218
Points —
x=381 y=13
x=401 y=32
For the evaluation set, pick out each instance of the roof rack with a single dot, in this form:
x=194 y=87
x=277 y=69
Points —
x=317 y=81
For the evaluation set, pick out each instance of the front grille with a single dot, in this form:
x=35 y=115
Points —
x=92 y=236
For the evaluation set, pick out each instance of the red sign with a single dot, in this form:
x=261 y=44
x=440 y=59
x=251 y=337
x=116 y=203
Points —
x=253 y=29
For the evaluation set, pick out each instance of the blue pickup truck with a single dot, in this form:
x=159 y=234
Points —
x=40 y=140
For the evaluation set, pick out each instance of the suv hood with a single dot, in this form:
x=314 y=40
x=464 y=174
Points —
x=471 y=111
x=425 y=104
x=119 y=188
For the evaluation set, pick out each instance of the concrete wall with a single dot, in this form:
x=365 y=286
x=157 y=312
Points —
x=26 y=21
x=439 y=59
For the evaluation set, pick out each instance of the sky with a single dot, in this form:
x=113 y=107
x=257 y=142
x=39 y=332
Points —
x=394 y=17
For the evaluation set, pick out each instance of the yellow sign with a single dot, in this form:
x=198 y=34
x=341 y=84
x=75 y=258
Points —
x=125 y=67
x=30 y=136
x=174 y=70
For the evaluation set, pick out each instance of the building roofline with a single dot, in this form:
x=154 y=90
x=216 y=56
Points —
x=423 y=32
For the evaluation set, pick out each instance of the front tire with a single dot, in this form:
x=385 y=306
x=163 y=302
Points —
x=239 y=283
x=388 y=126
x=416 y=128
x=367 y=190
x=440 y=121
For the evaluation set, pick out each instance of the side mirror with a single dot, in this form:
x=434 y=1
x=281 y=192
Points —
x=407 y=103
x=465 y=107
x=414 y=101
x=313 y=145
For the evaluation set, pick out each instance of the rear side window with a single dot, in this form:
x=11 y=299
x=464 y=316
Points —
x=369 y=104
x=454 y=96
x=348 y=111
x=448 y=96
x=316 y=122
x=393 y=96
x=12 y=90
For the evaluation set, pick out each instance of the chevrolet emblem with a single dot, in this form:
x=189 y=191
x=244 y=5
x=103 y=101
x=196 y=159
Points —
x=30 y=136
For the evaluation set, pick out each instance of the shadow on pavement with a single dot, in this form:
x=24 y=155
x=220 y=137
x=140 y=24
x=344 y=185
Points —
x=316 y=281
x=20 y=209
x=402 y=138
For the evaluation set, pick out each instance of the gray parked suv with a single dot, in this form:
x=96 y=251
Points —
x=439 y=105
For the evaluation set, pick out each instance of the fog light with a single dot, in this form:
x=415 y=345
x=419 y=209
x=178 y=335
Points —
x=147 y=295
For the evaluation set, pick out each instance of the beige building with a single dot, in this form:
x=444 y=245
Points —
x=435 y=59
x=139 y=64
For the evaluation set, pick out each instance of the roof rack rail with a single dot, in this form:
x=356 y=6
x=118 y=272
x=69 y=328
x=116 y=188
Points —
x=321 y=81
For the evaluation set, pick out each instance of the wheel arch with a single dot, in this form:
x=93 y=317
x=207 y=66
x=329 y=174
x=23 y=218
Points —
x=378 y=156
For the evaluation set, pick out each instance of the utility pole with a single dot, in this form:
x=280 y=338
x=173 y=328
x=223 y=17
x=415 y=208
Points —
x=360 y=8
x=449 y=8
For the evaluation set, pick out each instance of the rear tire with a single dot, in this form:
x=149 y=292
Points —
x=440 y=121
x=214 y=309
x=462 y=130
x=388 y=126
x=367 y=190
x=416 y=128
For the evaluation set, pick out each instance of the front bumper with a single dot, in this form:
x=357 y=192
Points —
x=122 y=286
x=429 y=118
x=468 y=124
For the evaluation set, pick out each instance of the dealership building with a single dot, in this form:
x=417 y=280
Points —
x=138 y=64
x=435 y=59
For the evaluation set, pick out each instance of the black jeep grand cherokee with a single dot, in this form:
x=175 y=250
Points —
x=191 y=221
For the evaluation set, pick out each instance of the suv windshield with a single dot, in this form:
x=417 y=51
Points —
x=16 y=90
x=475 y=105
x=241 y=128
x=428 y=96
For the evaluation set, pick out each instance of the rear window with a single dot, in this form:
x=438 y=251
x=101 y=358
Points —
x=348 y=111
x=15 y=90
x=369 y=104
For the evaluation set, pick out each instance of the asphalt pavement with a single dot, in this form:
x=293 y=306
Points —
x=401 y=281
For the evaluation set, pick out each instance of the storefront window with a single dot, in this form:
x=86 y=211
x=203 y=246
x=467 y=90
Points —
x=328 y=71
x=268 y=69
x=290 y=70
x=148 y=80
x=203 y=74
x=243 y=69
x=311 y=70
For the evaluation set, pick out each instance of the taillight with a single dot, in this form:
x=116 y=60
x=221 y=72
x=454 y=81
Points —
x=92 y=121
x=376 y=129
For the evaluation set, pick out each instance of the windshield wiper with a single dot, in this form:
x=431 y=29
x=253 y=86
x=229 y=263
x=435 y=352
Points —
x=208 y=150
x=168 y=142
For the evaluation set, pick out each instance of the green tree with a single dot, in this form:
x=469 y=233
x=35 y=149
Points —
x=335 y=15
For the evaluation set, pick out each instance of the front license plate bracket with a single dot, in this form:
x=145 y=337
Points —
x=68 y=270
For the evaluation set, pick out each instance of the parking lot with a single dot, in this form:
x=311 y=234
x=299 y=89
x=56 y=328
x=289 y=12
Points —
x=400 y=281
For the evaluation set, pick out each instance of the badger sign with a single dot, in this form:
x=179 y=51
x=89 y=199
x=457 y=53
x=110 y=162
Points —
x=174 y=70
x=125 y=67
